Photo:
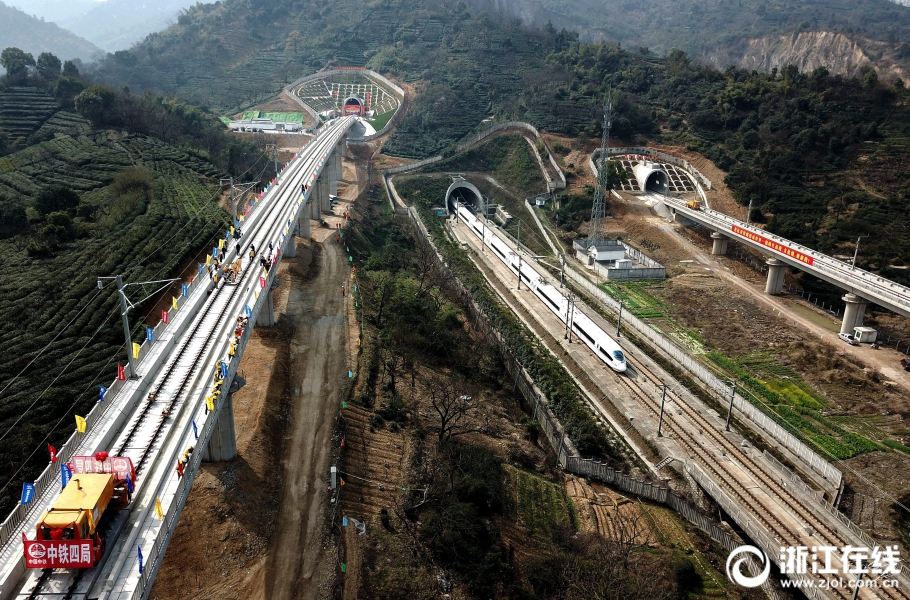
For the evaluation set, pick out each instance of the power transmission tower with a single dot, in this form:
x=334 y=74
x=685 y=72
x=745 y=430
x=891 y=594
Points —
x=599 y=209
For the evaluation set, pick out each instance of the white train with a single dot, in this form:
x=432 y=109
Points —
x=584 y=328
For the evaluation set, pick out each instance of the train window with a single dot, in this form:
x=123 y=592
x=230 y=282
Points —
x=584 y=333
x=618 y=355
x=46 y=533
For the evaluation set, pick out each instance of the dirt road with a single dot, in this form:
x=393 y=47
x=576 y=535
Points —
x=297 y=565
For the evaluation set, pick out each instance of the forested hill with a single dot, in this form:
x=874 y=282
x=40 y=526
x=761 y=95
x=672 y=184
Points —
x=94 y=182
x=840 y=34
x=822 y=156
x=36 y=36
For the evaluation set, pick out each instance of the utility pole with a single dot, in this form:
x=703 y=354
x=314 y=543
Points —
x=619 y=320
x=518 y=254
x=235 y=197
x=856 y=252
x=483 y=223
x=562 y=269
x=749 y=212
x=660 y=421
x=274 y=149
x=730 y=411
x=125 y=306
x=570 y=313
x=519 y=237
x=230 y=180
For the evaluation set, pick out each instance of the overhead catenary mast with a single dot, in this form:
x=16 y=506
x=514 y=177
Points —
x=599 y=209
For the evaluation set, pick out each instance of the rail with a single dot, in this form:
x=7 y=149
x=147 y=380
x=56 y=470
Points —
x=869 y=285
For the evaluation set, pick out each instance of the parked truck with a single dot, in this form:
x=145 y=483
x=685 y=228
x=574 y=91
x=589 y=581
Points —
x=66 y=535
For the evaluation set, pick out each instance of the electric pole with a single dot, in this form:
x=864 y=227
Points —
x=125 y=306
x=660 y=421
x=730 y=411
x=274 y=149
x=570 y=314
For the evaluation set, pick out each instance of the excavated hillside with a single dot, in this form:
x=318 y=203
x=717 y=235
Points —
x=808 y=50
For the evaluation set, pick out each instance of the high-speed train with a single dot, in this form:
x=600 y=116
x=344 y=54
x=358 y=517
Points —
x=585 y=329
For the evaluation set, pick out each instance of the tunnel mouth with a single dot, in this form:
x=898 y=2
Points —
x=657 y=181
x=353 y=106
x=464 y=193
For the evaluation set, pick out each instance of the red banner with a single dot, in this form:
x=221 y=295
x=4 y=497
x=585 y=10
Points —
x=121 y=466
x=53 y=452
x=776 y=246
x=262 y=282
x=164 y=315
x=121 y=373
x=54 y=554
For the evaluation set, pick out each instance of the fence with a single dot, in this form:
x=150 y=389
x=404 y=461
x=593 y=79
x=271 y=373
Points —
x=748 y=412
x=566 y=453
x=569 y=459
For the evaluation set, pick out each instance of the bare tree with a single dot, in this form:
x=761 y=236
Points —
x=455 y=405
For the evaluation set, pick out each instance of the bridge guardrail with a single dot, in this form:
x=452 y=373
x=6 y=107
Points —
x=182 y=492
x=876 y=288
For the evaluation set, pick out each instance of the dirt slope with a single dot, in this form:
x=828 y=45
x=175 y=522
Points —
x=296 y=563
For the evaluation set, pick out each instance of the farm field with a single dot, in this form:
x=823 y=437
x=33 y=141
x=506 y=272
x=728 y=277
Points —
x=62 y=337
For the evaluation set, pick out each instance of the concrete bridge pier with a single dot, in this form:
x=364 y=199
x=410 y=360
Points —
x=222 y=445
x=323 y=189
x=266 y=316
x=334 y=168
x=776 y=271
x=303 y=222
x=290 y=246
x=853 y=313
x=720 y=244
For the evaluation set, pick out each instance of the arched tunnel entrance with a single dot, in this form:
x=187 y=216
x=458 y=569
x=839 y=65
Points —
x=652 y=178
x=353 y=106
x=464 y=192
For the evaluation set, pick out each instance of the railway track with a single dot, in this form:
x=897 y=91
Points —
x=695 y=448
x=142 y=435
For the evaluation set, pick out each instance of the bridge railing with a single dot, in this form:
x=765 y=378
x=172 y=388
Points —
x=876 y=287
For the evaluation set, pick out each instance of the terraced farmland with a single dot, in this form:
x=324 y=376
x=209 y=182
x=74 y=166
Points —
x=42 y=296
x=24 y=109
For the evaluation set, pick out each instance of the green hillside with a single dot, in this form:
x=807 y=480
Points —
x=36 y=36
x=93 y=184
x=702 y=27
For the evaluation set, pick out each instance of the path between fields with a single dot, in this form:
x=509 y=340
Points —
x=883 y=359
x=297 y=565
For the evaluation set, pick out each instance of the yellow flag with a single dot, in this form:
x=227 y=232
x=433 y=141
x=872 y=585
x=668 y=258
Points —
x=221 y=244
x=232 y=231
x=352 y=276
x=208 y=259
x=159 y=512
x=174 y=302
x=231 y=350
x=256 y=294
x=80 y=424
x=210 y=402
x=241 y=218
x=135 y=350
x=264 y=272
